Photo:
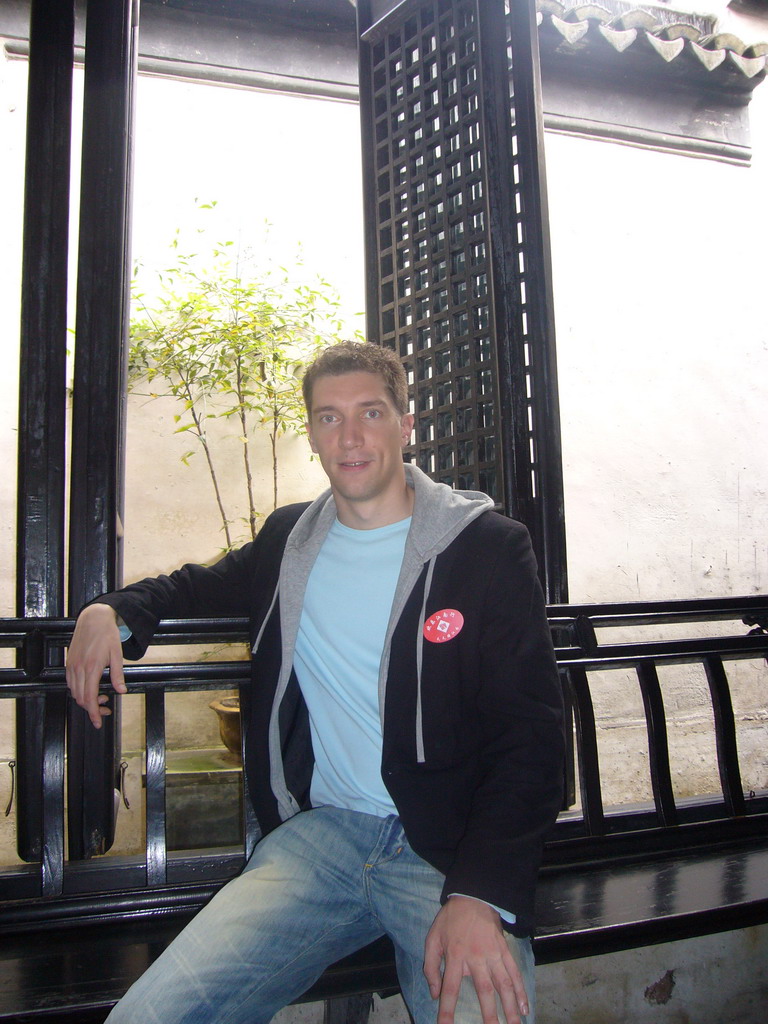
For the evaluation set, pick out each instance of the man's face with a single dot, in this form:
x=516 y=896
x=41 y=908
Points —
x=359 y=436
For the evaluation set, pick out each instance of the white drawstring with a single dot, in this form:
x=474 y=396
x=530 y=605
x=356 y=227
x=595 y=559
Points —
x=420 y=755
x=257 y=641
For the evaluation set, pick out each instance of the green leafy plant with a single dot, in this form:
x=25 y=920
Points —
x=228 y=340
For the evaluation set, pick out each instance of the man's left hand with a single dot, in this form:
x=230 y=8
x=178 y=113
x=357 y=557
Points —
x=468 y=938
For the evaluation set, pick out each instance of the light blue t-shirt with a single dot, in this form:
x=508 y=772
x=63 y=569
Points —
x=338 y=652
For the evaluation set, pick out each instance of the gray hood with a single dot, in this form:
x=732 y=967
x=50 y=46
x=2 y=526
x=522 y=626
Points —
x=439 y=515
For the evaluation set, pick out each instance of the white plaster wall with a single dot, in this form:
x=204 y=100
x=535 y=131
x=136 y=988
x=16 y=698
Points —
x=659 y=270
x=671 y=983
x=666 y=984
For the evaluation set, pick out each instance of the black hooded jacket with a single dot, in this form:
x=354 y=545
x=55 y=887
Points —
x=470 y=699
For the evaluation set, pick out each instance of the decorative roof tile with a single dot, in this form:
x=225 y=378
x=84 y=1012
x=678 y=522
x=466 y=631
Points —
x=590 y=27
x=619 y=39
x=646 y=75
x=723 y=41
x=709 y=57
x=678 y=30
x=635 y=19
x=667 y=49
x=584 y=12
x=570 y=31
x=749 y=66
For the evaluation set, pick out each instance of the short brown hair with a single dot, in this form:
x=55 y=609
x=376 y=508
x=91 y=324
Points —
x=357 y=356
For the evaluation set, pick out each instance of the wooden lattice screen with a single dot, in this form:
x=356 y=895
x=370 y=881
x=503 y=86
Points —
x=457 y=250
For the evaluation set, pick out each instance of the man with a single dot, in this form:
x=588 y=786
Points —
x=403 y=735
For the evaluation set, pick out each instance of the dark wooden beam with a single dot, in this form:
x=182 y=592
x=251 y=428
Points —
x=98 y=412
x=547 y=522
x=42 y=380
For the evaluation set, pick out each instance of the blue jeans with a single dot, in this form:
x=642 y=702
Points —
x=322 y=885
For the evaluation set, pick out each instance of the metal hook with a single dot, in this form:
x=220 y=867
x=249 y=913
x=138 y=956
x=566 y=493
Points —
x=12 y=766
x=123 y=770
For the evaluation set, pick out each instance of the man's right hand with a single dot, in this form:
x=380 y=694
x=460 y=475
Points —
x=95 y=646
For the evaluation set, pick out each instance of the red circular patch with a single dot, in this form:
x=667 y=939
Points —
x=443 y=625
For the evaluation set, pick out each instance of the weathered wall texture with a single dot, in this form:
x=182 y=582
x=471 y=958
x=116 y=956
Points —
x=666 y=984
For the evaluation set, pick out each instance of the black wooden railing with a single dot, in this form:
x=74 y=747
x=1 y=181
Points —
x=154 y=879
x=582 y=653
x=77 y=933
x=38 y=673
